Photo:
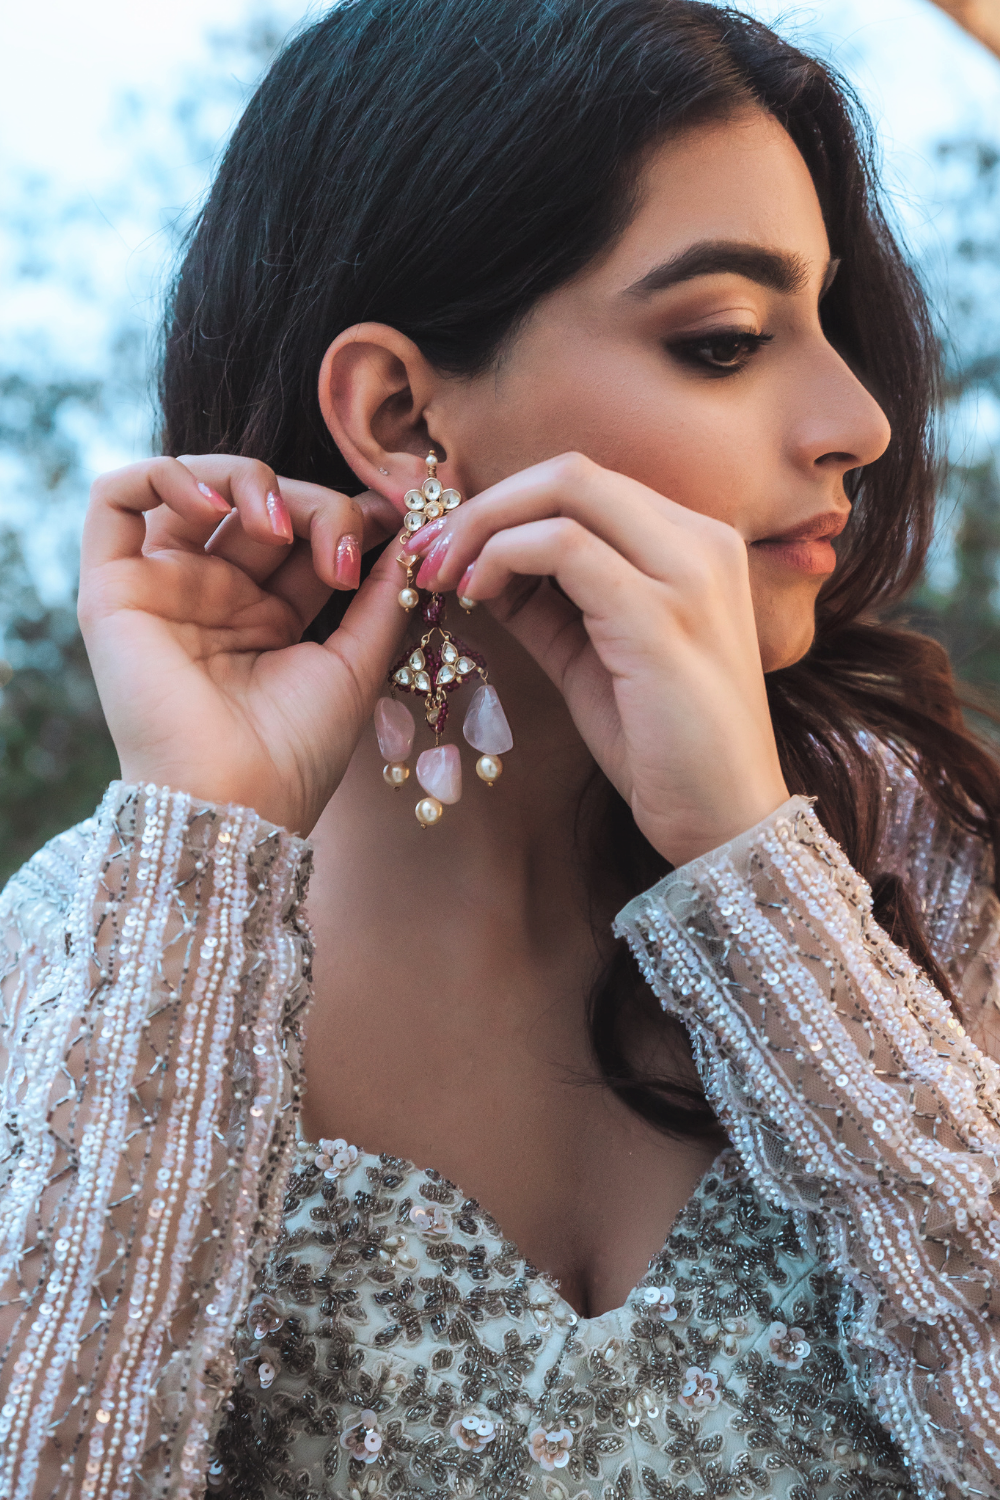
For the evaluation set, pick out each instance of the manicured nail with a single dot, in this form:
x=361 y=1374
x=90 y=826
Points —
x=347 y=567
x=466 y=579
x=431 y=564
x=418 y=541
x=215 y=497
x=281 y=521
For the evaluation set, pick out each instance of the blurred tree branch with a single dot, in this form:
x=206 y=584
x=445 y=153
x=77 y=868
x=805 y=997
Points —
x=980 y=18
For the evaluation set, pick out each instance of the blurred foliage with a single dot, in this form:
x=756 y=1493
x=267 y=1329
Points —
x=959 y=601
x=56 y=756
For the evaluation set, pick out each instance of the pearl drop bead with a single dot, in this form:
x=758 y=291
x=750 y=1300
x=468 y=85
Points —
x=466 y=602
x=428 y=811
x=396 y=773
x=409 y=598
x=489 y=768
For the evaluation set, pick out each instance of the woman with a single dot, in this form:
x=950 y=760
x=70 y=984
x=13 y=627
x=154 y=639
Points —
x=617 y=275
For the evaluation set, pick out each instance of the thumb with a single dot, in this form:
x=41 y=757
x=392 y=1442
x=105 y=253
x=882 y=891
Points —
x=370 y=635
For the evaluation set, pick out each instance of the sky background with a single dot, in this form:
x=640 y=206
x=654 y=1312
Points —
x=112 y=114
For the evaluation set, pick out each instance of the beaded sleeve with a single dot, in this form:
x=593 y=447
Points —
x=153 y=966
x=856 y=1098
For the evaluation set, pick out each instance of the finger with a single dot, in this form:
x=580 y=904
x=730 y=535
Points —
x=335 y=528
x=643 y=526
x=545 y=622
x=593 y=576
x=116 y=526
x=369 y=636
x=297 y=583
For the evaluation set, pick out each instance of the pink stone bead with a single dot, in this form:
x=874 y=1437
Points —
x=439 y=772
x=395 y=729
x=486 y=727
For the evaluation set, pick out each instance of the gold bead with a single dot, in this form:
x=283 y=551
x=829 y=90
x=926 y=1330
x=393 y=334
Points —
x=489 y=768
x=396 y=773
x=466 y=602
x=428 y=811
x=409 y=598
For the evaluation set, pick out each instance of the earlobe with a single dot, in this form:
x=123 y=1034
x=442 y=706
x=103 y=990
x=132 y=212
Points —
x=374 y=386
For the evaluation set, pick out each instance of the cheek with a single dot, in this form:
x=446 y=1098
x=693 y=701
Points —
x=701 y=443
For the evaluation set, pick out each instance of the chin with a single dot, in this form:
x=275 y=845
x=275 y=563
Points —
x=783 y=648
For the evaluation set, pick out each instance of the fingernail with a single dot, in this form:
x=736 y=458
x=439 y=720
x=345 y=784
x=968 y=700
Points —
x=417 y=541
x=281 y=521
x=466 y=579
x=431 y=564
x=214 y=496
x=347 y=567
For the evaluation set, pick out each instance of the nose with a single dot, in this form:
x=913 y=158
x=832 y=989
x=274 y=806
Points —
x=838 y=424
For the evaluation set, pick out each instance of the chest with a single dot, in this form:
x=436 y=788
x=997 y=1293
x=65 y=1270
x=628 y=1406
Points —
x=399 y=1344
x=506 y=1100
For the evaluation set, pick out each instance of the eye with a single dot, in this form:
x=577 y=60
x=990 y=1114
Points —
x=723 y=351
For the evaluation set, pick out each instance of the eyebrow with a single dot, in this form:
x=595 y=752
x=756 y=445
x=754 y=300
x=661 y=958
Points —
x=778 y=270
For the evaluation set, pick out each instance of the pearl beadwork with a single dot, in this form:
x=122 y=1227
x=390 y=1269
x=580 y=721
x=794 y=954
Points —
x=428 y=811
x=489 y=768
x=396 y=773
x=826 y=1056
x=157 y=866
x=409 y=598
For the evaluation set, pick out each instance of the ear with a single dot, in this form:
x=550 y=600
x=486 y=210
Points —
x=374 y=389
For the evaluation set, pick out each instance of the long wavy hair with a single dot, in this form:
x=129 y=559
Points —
x=440 y=165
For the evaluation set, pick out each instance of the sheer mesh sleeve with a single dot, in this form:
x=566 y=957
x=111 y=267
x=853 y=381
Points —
x=856 y=1097
x=153 y=967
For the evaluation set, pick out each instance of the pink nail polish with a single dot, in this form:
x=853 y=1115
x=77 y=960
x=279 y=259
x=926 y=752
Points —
x=466 y=579
x=281 y=521
x=347 y=567
x=418 y=541
x=431 y=565
x=215 y=497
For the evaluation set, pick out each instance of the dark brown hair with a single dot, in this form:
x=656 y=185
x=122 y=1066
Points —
x=439 y=165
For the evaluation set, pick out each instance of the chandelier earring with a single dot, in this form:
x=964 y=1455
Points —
x=437 y=666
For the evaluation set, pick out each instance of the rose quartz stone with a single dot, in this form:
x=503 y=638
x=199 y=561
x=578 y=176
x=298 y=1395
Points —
x=486 y=727
x=395 y=729
x=439 y=772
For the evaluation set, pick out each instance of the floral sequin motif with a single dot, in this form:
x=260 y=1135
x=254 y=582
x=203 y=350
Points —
x=441 y=1364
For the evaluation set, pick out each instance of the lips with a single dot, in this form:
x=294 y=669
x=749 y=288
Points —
x=808 y=548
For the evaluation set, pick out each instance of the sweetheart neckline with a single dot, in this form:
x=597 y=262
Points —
x=408 y=1166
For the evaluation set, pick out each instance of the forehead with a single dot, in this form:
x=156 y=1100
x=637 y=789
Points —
x=740 y=179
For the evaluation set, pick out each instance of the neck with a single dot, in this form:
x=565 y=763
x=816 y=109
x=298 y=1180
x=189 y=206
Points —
x=507 y=852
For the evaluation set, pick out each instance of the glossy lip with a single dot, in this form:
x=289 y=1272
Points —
x=807 y=547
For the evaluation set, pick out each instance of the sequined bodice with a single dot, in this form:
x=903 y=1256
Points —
x=188 y=1297
x=398 y=1344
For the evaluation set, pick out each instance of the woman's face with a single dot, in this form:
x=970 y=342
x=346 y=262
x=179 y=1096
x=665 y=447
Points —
x=691 y=358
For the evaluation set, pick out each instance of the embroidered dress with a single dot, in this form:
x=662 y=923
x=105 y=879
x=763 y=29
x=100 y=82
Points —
x=819 y=1323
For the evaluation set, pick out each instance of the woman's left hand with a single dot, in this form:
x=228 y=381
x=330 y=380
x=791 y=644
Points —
x=654 y=646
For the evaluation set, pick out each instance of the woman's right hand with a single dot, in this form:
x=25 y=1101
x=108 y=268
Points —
x=204 y=681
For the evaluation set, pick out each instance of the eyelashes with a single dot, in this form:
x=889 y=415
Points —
x=724 y=351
